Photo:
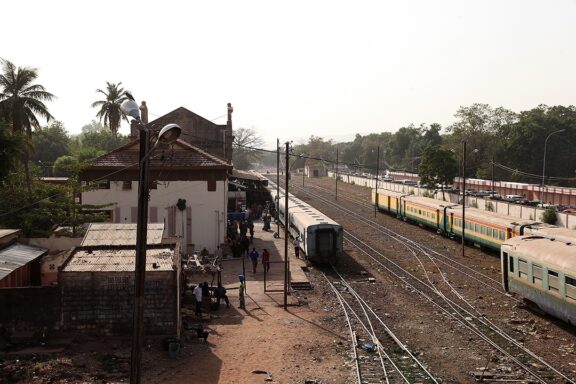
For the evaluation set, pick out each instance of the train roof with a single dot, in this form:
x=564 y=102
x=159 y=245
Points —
x=429 y=202
x=389 y=193
x=544 y=250
x=558 y=233
x=491 y=217
x=304 y=211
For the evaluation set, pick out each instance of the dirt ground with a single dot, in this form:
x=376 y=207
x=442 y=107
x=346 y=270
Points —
x=298 y=345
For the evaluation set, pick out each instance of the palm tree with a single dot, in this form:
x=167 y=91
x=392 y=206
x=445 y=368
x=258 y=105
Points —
x=110 y=110
x=20 y=102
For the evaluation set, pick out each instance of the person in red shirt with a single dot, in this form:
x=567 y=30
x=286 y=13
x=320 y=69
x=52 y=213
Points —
x=266 y=260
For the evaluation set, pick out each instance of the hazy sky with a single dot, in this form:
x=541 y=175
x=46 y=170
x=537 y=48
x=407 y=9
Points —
x=299 y=68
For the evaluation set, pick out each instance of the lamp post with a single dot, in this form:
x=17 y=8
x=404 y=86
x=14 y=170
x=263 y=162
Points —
x=167 y=134
x=544 y=161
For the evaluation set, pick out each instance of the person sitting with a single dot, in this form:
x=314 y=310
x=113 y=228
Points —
x=220 y=292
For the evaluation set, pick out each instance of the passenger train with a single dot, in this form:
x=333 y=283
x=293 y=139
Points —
x=543 y=271
x=538 y=260
x=483 y=228
x=321 y=238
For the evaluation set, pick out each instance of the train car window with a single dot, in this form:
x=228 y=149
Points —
x=501 y=235
x=553 y=281
x=476 y=228
x=511 y=264
x=571 y=287
x=523 y=269
x=537 y=274
x=489 y=232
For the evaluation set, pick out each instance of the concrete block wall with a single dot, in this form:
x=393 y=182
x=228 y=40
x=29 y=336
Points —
x=102 y=301
x=37 y=306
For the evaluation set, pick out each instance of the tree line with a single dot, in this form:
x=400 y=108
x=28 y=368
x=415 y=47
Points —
x=511 y=141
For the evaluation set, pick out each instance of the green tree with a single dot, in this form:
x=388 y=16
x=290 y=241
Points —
x=50 y=143
x=109 y=108
x=246 y=148
x=95 y=140
x=65 y=166
x=11 y=148
x=480 y=126
x=20 y=102
x=438 y=166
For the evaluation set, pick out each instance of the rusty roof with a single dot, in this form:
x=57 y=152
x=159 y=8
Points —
x=17 y=255
x=180 y=155
x=119 y=259
x=120 y=234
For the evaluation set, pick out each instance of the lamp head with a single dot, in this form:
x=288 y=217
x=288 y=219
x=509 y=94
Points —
x=130 y=108
x=169 y=133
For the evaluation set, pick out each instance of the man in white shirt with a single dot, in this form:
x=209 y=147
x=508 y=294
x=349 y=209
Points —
x=198 y=296
x=297 y=247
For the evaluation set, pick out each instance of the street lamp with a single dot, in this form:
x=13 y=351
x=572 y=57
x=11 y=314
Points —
x=544 y=160
x=167 y=134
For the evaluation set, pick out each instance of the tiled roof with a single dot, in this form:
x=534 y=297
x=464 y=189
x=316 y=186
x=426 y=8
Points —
x=120 y=234
x=16 y=256
x=181 y=155
x=119 y=259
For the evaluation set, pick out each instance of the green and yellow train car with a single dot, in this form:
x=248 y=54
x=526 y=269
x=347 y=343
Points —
x=542 y=271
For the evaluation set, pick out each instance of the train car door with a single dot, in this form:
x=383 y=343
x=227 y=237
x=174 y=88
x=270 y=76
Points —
x=504 y=267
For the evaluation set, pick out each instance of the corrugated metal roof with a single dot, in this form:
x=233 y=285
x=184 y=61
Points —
x=16 y=256
x=119 y=260
x=120 y=234
x=8 y=232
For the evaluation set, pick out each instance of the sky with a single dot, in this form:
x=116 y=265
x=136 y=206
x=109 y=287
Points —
x=294 y=69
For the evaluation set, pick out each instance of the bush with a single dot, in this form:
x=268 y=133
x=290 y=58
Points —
x=490 y=206
x=549 y=216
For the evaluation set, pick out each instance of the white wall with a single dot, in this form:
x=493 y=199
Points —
x=204 y=218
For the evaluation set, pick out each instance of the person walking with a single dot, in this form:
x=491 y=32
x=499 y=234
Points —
x=242 y=291
x=254 y=257
x=297 y=247
x=198 y=296
x=266 y=260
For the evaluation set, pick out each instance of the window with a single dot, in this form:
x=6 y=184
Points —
x=127 y=185
x=523 y=269
x=511 y=263
x=153 y=185
x=211 y=185
x=501 y=235
x=476 y=228
x=489 y=232
x=103 y=184
x=553 y=280
x=537 y=274
x=570 y=287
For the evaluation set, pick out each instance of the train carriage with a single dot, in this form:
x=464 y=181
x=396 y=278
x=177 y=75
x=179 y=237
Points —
x=424 y=210
x=543 y=271
x=321 y=237
x=387 y=201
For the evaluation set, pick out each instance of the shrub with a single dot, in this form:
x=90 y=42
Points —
x=490 y=206
x=549 y=216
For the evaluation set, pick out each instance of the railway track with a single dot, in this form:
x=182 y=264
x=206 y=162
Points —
x=530 y=366
x=379 y=355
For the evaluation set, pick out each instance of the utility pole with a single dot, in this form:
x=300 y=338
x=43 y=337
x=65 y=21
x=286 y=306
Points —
x=286 y=224
x=377 y=171
x=278 y=187
x=463 y=197
x=493 y=176
x=337 y=168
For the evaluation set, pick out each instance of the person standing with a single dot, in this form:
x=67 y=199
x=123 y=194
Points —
x=242 y=291
x=297 y=247
x=254 y=257
x=266 y=260
x=198 y=296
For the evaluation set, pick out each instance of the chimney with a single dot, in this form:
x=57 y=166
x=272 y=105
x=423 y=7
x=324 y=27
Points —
x=144 y=113
x=134 y=131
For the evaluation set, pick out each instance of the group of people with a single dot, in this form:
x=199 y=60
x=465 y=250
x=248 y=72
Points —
x=203 y=297
x=254 y=256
